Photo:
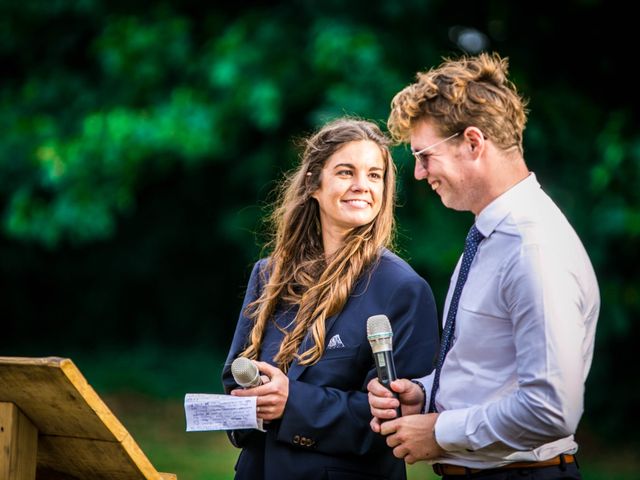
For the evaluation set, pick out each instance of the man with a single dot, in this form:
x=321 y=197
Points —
x=507 y=392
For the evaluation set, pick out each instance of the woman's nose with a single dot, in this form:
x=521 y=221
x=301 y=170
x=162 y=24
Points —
x=359 y=187
x=360 y=183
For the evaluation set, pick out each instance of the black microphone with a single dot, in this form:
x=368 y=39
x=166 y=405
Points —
x=245 y=373
x=379 y=334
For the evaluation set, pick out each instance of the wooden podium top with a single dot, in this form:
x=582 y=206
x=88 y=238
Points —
x=78 y=436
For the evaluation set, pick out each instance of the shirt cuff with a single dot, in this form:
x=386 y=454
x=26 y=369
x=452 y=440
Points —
x=423 y=407
x=425 y=384
x=450 y=430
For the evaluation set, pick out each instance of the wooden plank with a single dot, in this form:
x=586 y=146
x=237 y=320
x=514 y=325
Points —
x=91 y=459
x=72 y=407
x=18 y=444
x=80 y=438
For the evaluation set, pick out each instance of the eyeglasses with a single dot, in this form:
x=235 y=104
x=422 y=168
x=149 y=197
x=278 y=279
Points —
x=419 y=153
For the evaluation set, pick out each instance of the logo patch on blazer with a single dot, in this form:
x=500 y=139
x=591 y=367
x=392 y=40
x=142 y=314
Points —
x=335 y=342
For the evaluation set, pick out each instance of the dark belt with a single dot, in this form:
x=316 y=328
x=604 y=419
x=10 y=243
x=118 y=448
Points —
x=446 y=469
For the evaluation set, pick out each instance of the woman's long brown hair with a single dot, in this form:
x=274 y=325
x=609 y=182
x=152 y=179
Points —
x=297 y=271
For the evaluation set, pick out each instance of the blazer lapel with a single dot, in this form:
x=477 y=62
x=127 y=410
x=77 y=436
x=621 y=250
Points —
x=295 y=370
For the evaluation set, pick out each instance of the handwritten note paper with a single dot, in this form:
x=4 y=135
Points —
x=219 y=412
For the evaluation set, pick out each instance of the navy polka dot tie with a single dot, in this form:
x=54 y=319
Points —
x=470 y=247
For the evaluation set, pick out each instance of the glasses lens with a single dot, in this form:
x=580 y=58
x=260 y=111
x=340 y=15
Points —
x=423 y=158
x=422 y=155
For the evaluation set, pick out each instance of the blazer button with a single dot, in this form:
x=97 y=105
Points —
x=296 y=439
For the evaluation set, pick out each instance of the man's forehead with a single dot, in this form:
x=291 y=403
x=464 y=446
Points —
x=422 y=133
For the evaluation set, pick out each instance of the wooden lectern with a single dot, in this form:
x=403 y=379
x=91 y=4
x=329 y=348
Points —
x=54 y=426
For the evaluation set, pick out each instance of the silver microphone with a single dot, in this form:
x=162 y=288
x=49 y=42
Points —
x=245 y=373
x=380 y=337
x=379 y=333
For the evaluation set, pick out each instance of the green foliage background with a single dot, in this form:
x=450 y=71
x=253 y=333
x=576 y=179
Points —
x=140 y=141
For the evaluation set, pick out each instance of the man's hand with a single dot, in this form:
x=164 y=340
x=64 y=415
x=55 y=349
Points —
x=272 y=395
x=383 y=404
x=412 y=437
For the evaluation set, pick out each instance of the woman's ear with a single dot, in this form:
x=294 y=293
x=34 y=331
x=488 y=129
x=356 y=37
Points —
x=308 y=182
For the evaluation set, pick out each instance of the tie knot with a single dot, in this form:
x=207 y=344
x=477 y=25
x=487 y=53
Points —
x=474 y=236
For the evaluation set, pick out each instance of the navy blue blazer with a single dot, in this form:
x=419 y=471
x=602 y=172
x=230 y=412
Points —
x=324 y=432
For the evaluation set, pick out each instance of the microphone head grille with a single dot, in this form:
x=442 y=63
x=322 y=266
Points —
x=243 y=370
x=378 y=325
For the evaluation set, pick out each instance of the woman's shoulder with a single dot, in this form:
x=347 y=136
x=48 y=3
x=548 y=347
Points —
x=390 y=264
x=260 y=272
x=260 y=265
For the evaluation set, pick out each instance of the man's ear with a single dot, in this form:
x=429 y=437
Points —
x=475 y=140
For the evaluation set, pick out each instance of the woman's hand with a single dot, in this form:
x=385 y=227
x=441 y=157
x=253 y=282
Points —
x=272 y=395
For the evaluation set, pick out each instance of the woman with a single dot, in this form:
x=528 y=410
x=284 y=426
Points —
x=305 y=312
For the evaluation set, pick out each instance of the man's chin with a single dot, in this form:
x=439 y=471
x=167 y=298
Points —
x=452 y=205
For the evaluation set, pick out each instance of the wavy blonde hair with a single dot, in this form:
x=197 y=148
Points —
x=297 y=271
x=469 y=91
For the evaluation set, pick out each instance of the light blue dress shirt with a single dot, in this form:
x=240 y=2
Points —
x=512 y=385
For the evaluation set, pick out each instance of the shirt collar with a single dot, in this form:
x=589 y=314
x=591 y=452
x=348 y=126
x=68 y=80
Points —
x=491 y=216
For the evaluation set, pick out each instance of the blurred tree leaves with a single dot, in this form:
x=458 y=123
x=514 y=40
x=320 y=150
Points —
x=150 y=94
